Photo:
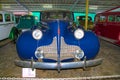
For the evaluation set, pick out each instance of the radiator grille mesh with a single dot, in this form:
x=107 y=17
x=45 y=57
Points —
x=67 y=51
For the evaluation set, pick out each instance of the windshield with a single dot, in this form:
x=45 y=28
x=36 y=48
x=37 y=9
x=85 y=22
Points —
x=84 y=17
x=51 y=15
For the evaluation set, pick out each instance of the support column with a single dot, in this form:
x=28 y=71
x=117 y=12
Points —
x=86 y=20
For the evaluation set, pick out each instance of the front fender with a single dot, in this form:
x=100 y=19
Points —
x=13 y=33
x=26 y=44
x=89 y=43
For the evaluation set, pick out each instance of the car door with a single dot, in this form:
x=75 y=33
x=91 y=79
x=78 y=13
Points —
x=102 y=24
x=113 y=26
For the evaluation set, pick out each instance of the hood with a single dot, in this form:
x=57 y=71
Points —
x=57 y=26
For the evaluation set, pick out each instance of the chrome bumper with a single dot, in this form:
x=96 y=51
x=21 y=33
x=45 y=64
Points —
x=63 y=65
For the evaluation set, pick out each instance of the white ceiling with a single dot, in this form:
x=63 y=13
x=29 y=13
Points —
x=95 y=6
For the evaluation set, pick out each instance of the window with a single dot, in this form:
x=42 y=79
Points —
x=117 y=18
x=7 y=17
x=111 y=18
x=96 y=18
x=1 y=18
x=102 y=18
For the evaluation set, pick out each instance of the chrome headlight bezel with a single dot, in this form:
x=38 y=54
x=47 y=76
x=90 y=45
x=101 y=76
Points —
x=39 y=54
x=79 y=34
x=79 y=54
x=37 y=34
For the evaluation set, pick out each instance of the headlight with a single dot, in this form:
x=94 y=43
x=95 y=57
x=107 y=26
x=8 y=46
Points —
x=37 y=34
x=79 y=34
x=79 y=54
x=39 y=54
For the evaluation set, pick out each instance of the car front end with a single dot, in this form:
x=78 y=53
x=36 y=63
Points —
x=58 y=46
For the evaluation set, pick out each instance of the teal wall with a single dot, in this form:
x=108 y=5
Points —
x=36 y=14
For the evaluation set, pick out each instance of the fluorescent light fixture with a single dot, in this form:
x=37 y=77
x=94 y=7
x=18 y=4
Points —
x=18 y=10
x=6 y=7
x=20 y=13
x=93 y=7
x=47 y=6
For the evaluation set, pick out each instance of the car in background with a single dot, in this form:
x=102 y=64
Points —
x=107 y=26
x=7 y=22
x=55 y=44
x=81 y=20
x=25 y=23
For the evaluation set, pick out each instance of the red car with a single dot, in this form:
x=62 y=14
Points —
x=107 y=26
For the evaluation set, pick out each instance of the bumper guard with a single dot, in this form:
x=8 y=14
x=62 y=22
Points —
x=63 y=65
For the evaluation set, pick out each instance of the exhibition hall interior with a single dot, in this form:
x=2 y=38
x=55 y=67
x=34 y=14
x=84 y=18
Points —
x=60 y=39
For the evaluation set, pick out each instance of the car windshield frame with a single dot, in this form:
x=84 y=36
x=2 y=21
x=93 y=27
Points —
x=53 y=15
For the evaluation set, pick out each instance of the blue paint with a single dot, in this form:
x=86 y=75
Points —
x=26 y=45
x=68 y=60
x=49 y=60
x=89 y=43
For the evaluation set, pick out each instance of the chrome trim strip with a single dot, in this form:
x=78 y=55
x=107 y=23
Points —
x=63 y=65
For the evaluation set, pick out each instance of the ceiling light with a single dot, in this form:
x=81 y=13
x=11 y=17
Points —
x=47 y=6
x=6 y=7
x=20 y=13
x=93 y=7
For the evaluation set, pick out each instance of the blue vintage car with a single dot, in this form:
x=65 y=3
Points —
x=57 y=43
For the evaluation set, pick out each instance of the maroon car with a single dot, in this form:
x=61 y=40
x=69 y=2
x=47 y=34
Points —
x=107 y=26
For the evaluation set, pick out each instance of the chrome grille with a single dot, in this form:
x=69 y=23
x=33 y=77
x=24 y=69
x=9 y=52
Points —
x=67 y=51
